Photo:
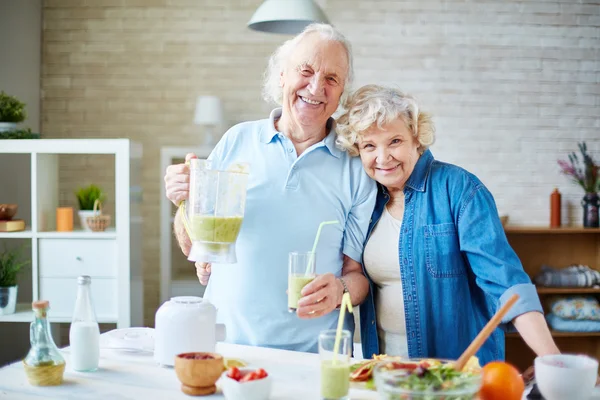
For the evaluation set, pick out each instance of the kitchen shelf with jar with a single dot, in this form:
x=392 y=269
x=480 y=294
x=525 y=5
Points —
x=112 y=258
x=556 y=247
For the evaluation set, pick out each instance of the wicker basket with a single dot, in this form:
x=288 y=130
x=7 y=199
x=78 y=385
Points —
x=98 y=222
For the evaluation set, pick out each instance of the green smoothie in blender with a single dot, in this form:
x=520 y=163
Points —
x=209 y=228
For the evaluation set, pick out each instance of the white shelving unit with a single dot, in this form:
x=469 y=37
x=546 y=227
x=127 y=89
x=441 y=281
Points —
x=112 y=258
x=168 y=286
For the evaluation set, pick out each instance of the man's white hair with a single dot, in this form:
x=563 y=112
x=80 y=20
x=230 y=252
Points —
x=272 y=91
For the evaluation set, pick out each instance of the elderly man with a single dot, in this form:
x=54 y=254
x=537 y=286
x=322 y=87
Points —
x=298 y=179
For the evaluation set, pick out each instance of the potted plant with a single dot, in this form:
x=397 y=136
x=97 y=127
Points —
x=12 y=111
x=86 y=197
x=586 y=173
x=10 y=266
x=23 y=133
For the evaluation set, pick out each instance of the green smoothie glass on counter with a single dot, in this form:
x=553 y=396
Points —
x=335 y=367
x=301 y=271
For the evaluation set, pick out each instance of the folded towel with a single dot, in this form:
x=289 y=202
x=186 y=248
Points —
x=572 y=276
x=576 y=307
x=570 y=325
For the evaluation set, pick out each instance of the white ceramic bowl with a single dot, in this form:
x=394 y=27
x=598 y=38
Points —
x=259 y=389
x=566 y=376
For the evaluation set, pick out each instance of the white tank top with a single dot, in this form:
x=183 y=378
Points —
x=382 y=263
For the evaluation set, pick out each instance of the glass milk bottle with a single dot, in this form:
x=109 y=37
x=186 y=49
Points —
x=84 y=335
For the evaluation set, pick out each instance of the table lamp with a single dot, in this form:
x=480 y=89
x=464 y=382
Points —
x=209 y=113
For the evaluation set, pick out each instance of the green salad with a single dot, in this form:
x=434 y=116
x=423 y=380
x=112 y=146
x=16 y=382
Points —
x=425 y=380
x=437 y=378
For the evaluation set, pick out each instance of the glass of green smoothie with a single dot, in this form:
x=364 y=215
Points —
x=335 y=367
x=300 y=273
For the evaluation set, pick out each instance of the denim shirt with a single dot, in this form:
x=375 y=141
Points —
x=456 y=266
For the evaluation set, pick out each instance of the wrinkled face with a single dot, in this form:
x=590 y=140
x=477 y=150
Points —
x=313 y=80
x=389 y=155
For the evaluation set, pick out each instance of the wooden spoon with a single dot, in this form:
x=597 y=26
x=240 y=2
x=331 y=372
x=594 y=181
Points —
x=485 y=333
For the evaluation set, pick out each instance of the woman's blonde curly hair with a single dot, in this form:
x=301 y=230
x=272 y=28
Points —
x=376 y=106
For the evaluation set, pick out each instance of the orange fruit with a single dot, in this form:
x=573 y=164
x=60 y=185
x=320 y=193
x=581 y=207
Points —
x=501 y=381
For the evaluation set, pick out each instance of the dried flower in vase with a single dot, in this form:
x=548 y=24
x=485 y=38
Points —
x=585 y=172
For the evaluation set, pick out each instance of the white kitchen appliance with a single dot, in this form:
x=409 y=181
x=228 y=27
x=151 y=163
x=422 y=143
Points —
x=214 y=211
x=185 y=324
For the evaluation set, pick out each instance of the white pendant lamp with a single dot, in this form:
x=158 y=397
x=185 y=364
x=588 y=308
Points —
x=286 y=16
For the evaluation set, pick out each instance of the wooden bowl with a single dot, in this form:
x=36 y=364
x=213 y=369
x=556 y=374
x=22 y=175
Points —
x=7 y=211
x=198 y=372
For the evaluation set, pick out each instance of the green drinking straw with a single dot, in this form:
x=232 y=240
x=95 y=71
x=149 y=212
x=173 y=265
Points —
x=346 y=304
x=312 y=254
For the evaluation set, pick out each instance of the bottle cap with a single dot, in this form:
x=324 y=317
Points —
x=84 y=280
x=40 y=304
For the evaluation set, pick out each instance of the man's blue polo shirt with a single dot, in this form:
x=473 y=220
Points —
x=288 y=197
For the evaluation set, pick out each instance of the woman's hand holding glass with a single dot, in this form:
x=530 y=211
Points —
x=320 y=297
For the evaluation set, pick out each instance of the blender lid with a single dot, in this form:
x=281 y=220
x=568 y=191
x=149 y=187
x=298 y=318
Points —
x=186 y=299
x=192 y=302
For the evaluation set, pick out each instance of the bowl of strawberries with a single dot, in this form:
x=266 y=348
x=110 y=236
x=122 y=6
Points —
x=246 y=384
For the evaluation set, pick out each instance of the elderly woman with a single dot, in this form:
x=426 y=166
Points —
x=293 y=162
x=437 y=258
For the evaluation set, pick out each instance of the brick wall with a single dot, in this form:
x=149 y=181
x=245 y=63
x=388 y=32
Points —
x=513 y=84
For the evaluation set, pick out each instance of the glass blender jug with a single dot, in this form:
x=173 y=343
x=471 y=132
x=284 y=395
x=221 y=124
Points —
x=214 y=211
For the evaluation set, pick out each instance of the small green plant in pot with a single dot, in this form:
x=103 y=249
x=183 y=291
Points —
x=86 y=197
x=11 y=263
x=12 y=111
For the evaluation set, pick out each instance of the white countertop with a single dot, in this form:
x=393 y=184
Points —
x=123 y=375
x=136 y=376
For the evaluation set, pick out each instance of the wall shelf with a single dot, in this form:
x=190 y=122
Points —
x=26 y=234
x=560 y=334
x=553 y=290
x=109 y=233
x=58 y=258
x=557 y=248
x=23 y=313
x=550 y=231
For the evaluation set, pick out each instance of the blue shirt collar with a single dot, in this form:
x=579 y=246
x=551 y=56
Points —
x=268 y=134
x=418 y=178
